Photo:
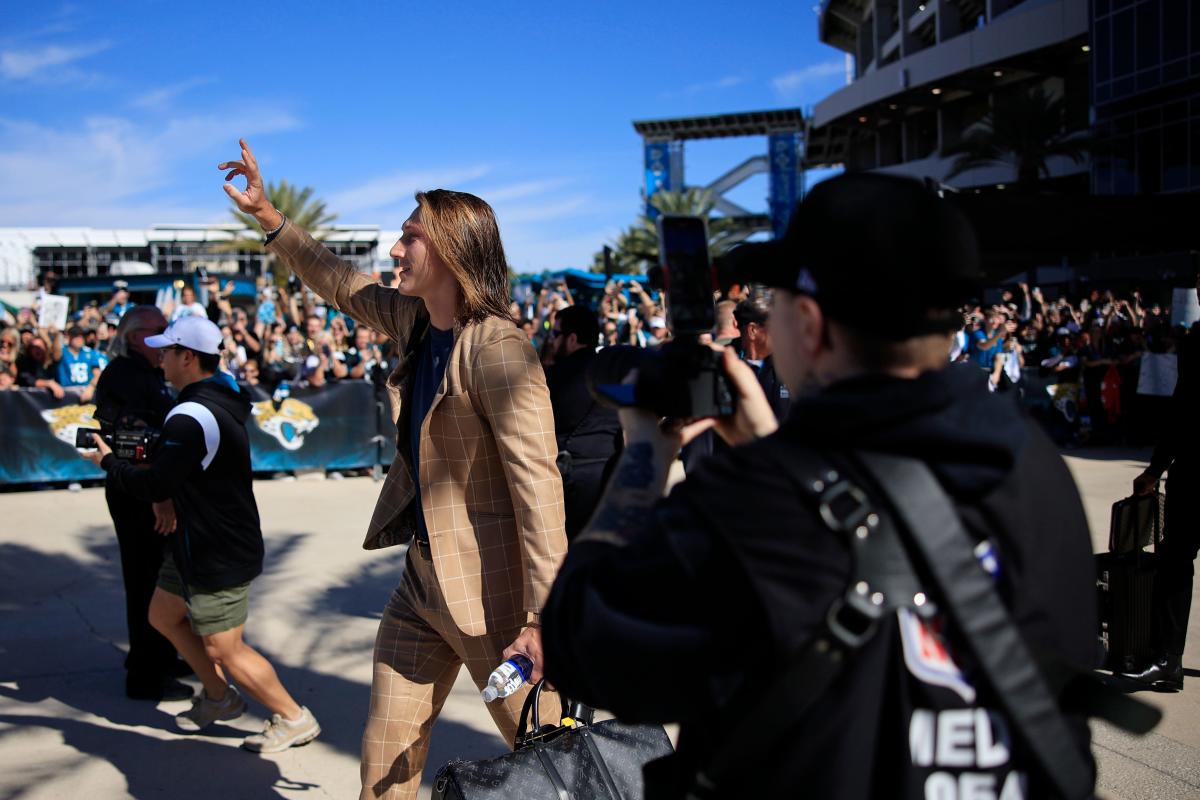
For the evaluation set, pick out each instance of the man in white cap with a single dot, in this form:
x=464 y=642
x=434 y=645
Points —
x=202 y=463
x=658 y=331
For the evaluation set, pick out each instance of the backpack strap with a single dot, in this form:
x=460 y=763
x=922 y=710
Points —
x=882 y=580
x=944 y=548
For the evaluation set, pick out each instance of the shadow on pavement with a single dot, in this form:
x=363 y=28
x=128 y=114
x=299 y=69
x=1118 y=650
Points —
x=366 y=593
x=63 y=615
x=163 y=768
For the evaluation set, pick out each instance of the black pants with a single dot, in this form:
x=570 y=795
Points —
x=581 y=493
x=150 y=654
x=1176 y=554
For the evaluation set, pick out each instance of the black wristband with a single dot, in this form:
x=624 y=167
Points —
x=272 y=234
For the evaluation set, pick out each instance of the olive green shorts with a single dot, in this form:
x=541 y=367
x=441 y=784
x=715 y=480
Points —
x=210 y=610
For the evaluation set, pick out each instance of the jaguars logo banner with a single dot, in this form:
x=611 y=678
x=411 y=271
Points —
x=334 y=427
x=341 y=426
x=288 y=423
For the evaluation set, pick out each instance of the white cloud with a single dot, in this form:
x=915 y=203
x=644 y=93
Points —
x=516 y=191
x=157 y=98
x=548 y=230
x=16 y=65
x=790 y=85
x=532 y=249
x=379 y=195
x=110 y=169
x=728 y=82
x=555 y=208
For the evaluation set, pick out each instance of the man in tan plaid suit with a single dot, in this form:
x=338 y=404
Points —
x=487 y=489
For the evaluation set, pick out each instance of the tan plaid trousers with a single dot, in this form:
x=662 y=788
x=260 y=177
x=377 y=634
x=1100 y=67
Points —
x=418 y=652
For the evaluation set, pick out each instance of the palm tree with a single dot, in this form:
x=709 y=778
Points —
x=299 y=207
x=636 y=247
x=1026 y=128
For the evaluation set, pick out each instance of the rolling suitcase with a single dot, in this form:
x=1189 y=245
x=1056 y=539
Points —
x=1125 y=582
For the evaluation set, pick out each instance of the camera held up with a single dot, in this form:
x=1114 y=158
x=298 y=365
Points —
x=682 y=379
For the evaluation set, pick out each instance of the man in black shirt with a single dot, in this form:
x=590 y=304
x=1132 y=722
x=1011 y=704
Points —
x=589 y=434
x=755 y=345
x=130 y=394
x=686 y=609
x=1179 y=451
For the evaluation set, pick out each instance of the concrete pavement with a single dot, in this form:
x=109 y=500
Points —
x=66 y=729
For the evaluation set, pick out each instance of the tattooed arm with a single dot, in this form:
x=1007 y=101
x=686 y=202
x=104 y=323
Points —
x=640 y=476
x=637 y=483
x=641 y=473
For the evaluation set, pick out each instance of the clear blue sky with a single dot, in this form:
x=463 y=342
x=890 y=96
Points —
x=115 y=114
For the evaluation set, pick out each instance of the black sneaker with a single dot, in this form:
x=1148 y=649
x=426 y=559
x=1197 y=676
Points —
x=158 y=691
x=1164 y=675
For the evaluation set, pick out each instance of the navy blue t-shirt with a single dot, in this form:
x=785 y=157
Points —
x=431 y=367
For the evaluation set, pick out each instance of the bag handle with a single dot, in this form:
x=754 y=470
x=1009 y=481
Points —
x=531 y=710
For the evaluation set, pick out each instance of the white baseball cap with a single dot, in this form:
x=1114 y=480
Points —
x=194 y=333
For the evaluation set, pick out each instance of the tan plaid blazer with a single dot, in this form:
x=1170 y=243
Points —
x=490 y=490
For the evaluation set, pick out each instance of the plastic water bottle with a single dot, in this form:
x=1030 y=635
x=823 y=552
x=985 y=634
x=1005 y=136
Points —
x=507 y=678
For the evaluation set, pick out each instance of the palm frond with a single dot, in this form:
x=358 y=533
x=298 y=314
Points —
x=1024 y=128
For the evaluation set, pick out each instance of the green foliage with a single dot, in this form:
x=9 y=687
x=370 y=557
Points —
x=1027 y=128
x=636 y=248
x=295 y=203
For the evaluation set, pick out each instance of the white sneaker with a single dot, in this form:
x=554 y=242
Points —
x=205 y=712
x=278 y=734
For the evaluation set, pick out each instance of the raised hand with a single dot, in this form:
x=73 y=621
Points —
x=253 y=199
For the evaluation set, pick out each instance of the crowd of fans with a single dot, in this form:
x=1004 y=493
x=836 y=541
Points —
x=1094 y=345
x=284 y=336
x=288 y=335
x=627 y=313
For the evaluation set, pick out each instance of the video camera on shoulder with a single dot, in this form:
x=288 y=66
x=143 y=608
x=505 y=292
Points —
x=682 y=379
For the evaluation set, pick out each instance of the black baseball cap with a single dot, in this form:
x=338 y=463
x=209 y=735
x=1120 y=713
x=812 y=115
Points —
x=879 y=253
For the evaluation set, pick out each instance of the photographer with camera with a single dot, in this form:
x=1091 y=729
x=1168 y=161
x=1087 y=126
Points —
x=132 y=395
x=738 y=605
x=202 y=464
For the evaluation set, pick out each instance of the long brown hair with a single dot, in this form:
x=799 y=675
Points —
x=463 y=231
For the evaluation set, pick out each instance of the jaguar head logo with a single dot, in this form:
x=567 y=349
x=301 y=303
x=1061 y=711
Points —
x=288 y=424
x=65 y=420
